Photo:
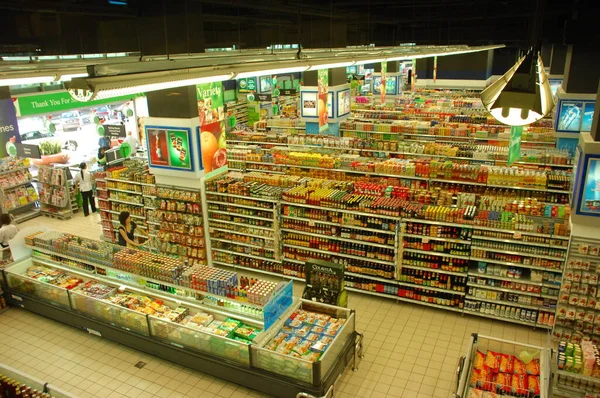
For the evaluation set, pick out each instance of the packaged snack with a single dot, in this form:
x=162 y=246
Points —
x=519 y=384
x=506 y=363
x=317 y=329
x=319 y=346
x=302 y=348
x=475 y=376
x=485 y=380
x=492 y=360
x=533 y=385
x=303 y=331
x=475 y=393
x=519 y=367
x=230 y=324
x=246 y=332
x=503 y=382
x=533 y=367
x=312 y=337
x=311 y=356
x=479 y=360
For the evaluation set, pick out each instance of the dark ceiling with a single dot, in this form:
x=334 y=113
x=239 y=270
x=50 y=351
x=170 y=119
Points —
x=183 y=26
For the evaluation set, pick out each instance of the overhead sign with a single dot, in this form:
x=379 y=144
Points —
x=264 y=97
x=28 y=151
x=323 y=87
x=514 y=147
x=287 y=91
x=246 y=85
x=57 y=102
x=114 y=130
x=9 y=129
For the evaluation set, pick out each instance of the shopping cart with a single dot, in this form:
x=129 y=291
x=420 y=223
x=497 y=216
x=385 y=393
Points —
x=525 y=353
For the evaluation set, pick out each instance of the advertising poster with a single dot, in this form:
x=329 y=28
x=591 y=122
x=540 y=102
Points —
x=569 y=118
x=309 y=104
x=157 y=147
x=390 y=85
x=9 y=129
x=179 y=149
x=265 y=84
x=514 y=147
x=329 y=106
x=323 y=78
x=590 y=201
x=588 y=116
x=246 y=85
x=382 y=84
x=343 y=102
x=213 y=140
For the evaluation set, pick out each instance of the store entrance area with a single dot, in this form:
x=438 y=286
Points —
x=409 y=350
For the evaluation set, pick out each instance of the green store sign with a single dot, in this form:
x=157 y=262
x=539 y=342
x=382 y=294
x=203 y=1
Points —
x=57 y=102
x=246 y=85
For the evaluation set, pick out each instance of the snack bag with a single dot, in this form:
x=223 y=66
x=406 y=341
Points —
x=486 y=377
x=533 y=384
x=479 y=360
x=475 y=393
x=519 y=367
x=503 y=383
x=533 y=367
x=519 y=384
x=492 y=360
x=507 y=363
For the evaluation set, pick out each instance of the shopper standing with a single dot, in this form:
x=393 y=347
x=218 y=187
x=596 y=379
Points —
x=7 y=230
x=84 y=180
x=127 y=230
x=132 y=141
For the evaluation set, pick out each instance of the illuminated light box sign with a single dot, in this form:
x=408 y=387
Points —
x=308 y=104
x=169 y=147
x=390 y=85
x=589 y=198
x=573 y=116
x=343 y=103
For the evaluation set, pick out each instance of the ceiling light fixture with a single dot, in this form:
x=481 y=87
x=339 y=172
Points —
x=67 y=78
x=522 y=95
x=17 y=81
x=331 y=66
x=262 y=72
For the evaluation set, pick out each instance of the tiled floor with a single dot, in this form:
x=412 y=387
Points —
x=410 y=350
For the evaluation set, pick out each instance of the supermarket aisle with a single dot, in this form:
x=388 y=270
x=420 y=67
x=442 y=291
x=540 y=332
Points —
x=410 y=350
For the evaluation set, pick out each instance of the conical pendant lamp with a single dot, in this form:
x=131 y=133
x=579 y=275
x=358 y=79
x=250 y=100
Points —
x=522 y=95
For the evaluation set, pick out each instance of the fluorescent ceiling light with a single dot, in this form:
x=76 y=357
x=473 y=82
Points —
x=27 y=80
x=522 y=95
x=66 y=78
x=123 y=86
x=281 y=71
x=331 y=66
x=369 y=61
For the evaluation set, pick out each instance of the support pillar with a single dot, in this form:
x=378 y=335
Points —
x=338 y=101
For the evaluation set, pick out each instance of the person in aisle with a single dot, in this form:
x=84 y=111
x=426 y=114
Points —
x=127 y=230
x=132 y=141
x=7 y=230
x=102 y=157
x=84 y=180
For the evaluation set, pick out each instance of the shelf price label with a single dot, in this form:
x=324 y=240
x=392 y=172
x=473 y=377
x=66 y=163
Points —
x=518 y=235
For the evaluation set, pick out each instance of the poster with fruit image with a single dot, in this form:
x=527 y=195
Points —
x=157 y=147
x=383 y=80
x=323 y=77
x=213 y=140
x=179 y=149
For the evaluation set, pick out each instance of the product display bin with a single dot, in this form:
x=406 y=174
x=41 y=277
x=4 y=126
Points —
x=525 y=354
x=297 y=368
x=17 y=281
x=113 y=314
x=195 y=339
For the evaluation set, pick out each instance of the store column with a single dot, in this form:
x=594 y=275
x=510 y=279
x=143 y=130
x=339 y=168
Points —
x=463 y=71
x=392 y=75
x=337 y=100
x=576 y=97
x=173 y=137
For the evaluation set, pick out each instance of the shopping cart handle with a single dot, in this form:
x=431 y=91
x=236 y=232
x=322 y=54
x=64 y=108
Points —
x=459 y=369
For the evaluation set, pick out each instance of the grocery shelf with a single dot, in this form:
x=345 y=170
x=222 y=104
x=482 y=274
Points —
x=372 y=277
x=238 y=215
x=240 y=224
x=501 y=289
x=513 y=231
x=373 y=260
x=293 y=261
x=434 y=253
x=118 y=212
x=149 y=196
x=338 y=238
x=245 y=255
x=466 y=242
x=335 y=209
x=503 y=302
x=500 y=250
x=437 y=289
x=518 y=242
x=14 y=170
x=237 y=205
x=432 y=222
x=310 y=220
x=258 y=143
x=499 y=318
x=473 y=272
x=287 y=127
x=436 y=270
x=241 y=196
x=153 y=223
x=242 y=244
x=399 y=298
x=124 y=191
x=260 y=271
x=16 y=185
x=125 y=202
x=235 y=232
x=383 y=231
x=587 y=257
x=519 y=265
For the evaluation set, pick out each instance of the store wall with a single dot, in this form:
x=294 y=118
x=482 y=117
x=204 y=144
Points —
x=472 y=66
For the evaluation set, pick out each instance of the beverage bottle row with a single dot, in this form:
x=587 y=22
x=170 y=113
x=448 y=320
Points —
x=367 y=236
x=313 y=214
x=368 y=222
x=241 y=210
x=240 y=220
x=438 y=231
x=303 y=255
x=433 y=279
x=293 y=269
x=365 y=267
x=254 y=251
x=459 y=249
x=435 y=262
x=10 y=388
x=309 y=226
x=354 y=249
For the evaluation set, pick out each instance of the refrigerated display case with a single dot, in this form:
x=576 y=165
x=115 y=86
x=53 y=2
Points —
x=98 y=310
x=495 y=367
